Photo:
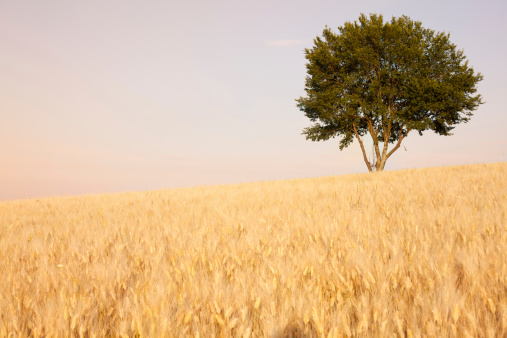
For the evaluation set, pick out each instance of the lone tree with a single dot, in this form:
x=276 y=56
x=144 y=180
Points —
x=386 y=79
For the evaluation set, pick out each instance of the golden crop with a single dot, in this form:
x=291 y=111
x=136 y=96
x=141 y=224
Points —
x=407 y=253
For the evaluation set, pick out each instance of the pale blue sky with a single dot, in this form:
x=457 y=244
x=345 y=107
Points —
x=109 y=96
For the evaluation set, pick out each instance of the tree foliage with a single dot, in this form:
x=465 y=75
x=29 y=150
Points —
x=386 y=79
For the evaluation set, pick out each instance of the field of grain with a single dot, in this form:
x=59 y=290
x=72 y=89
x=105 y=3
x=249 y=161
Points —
x=406 y=253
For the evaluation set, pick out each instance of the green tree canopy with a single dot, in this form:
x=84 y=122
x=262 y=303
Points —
x=386 y=79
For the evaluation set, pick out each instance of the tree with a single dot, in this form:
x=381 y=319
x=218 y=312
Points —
x=386 y=79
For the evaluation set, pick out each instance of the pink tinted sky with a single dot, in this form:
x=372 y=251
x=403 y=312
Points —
x=100 y=96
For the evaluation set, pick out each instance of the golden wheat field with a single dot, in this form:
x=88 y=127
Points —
x=418 y=252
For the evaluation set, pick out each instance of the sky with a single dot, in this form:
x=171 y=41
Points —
x=114 y=96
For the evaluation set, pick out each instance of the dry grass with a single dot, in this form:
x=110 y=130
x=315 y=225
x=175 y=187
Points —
x=407 y=253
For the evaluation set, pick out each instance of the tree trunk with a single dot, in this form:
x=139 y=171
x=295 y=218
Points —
x=382 y=158
x=382 y=164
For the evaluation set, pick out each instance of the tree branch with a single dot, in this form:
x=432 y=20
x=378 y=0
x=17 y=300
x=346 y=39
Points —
x=373 y=134
x=402 y=136
x=387 y=134
x=362 y=147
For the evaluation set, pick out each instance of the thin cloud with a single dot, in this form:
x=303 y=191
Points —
x=286 y=42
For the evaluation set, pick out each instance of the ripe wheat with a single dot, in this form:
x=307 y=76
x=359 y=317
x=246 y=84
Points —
x=407 y=253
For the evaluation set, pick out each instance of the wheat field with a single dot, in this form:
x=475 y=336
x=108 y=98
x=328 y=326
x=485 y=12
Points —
x=419 y=252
